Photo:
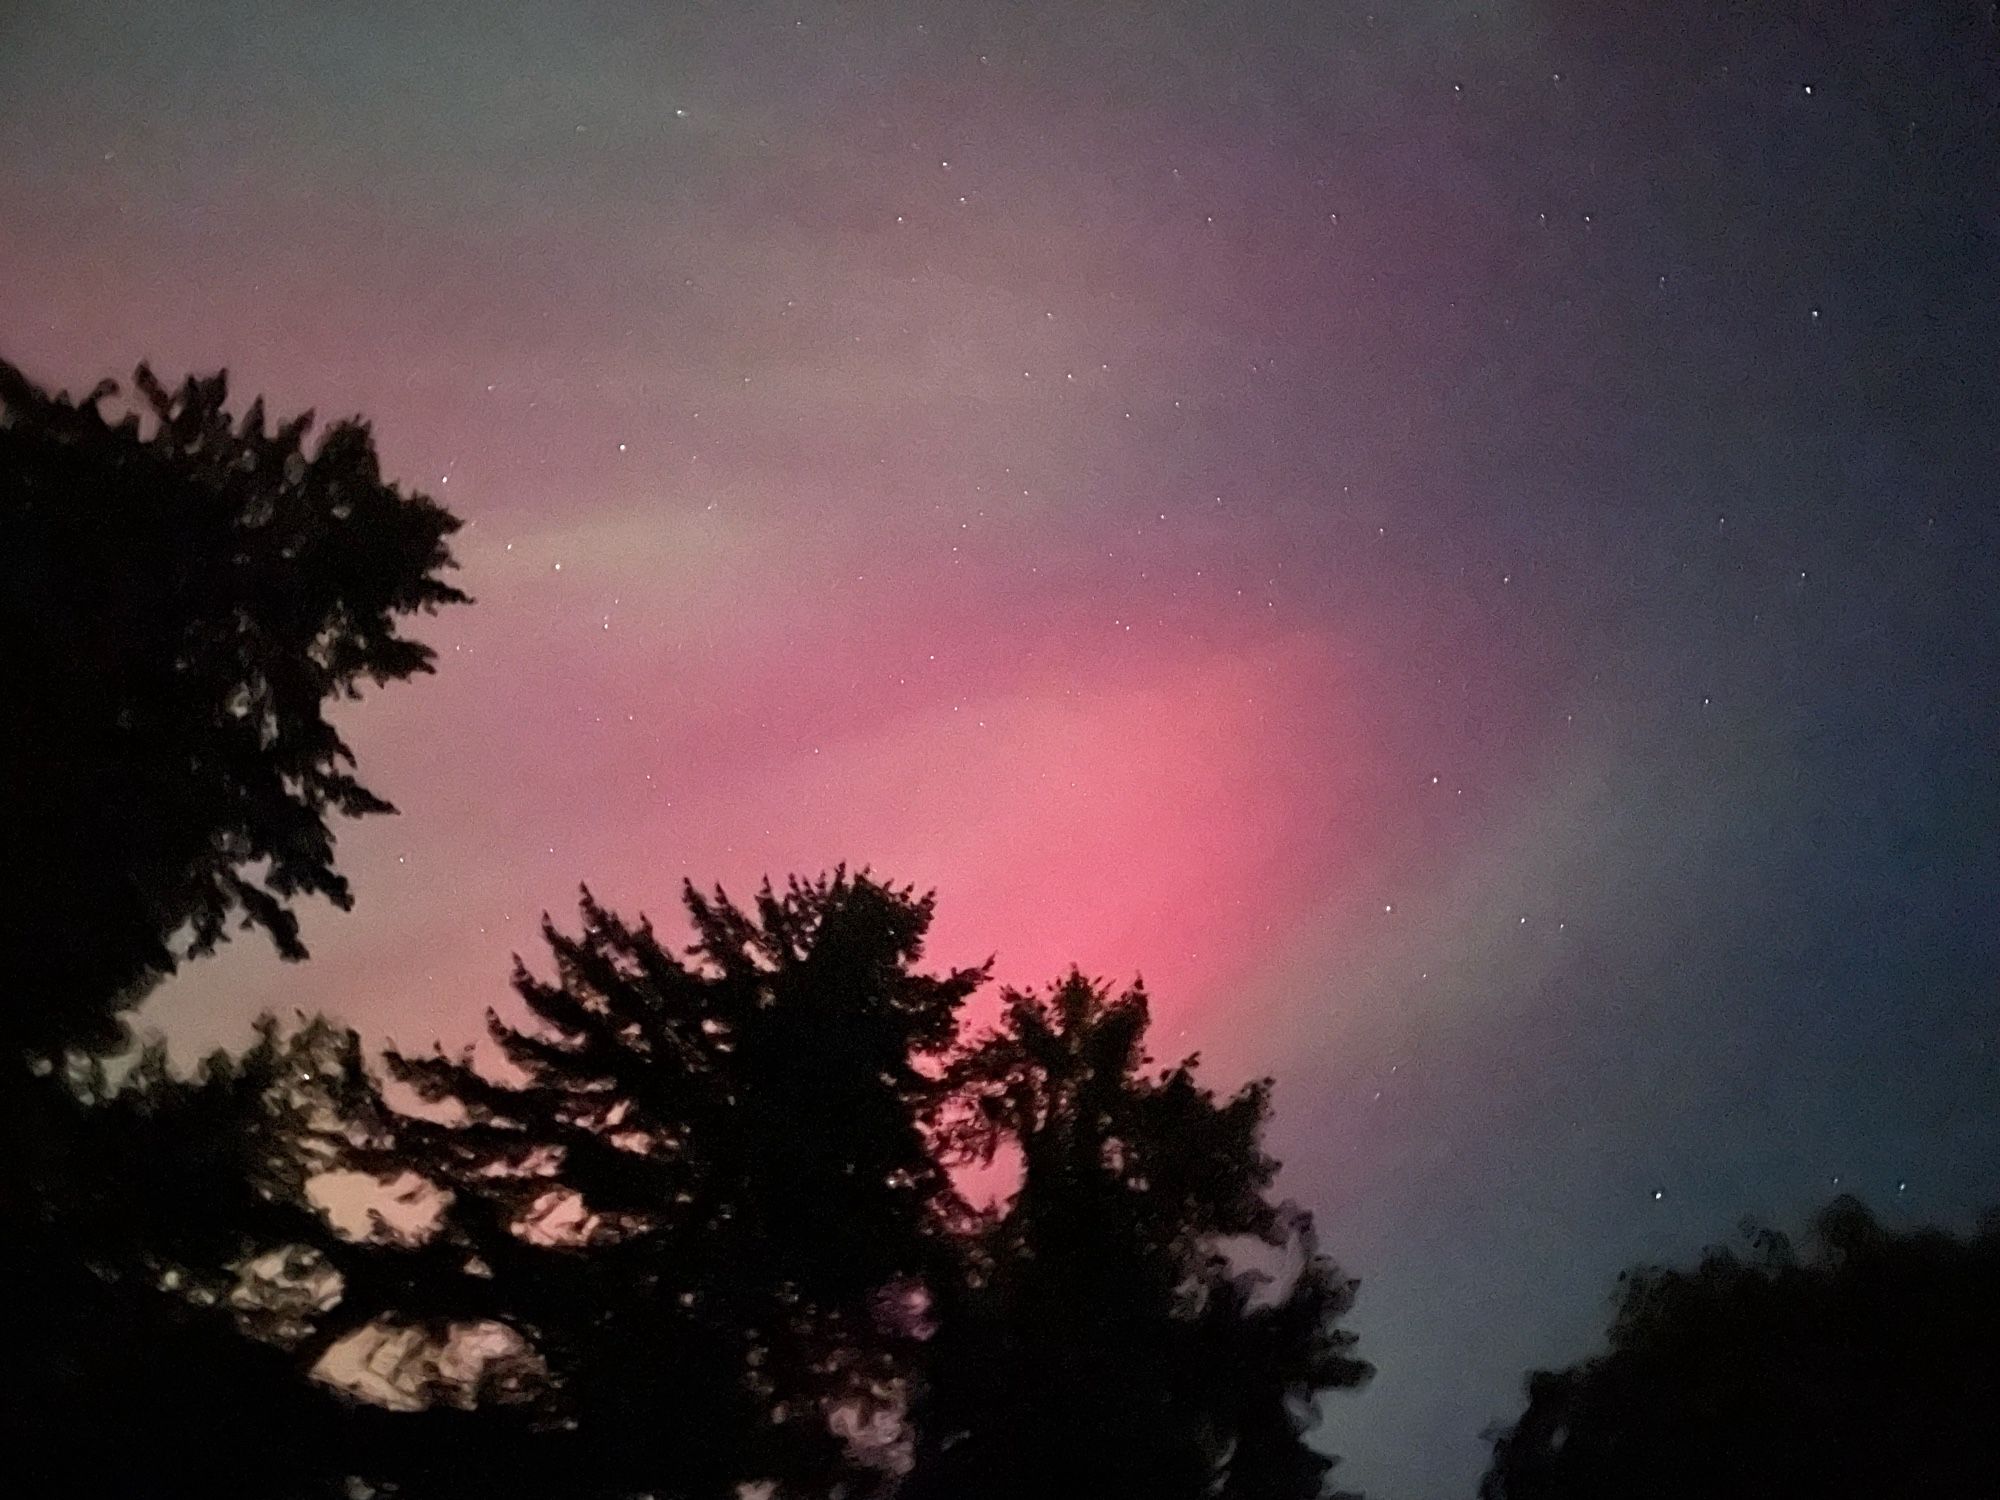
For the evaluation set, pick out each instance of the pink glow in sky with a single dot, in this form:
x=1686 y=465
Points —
x=1454 y=538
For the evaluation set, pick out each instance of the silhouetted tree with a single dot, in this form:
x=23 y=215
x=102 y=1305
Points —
x=1868 y=1367
x=180 y=595
x=704 y=1197
x=179 y=599
x=160 y=1279
x=1105 y=1336
x=692 y=1229
x=181 y=1317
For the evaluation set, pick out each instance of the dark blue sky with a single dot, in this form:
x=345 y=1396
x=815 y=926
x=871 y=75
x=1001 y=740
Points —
x=1458 y=538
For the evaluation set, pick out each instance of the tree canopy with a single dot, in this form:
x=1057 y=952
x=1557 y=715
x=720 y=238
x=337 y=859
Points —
x=162 y=1279
x=693 y=1224
x=704 y=1195
x=1867 y=1366
x=182 y=593
x=1104 y=1335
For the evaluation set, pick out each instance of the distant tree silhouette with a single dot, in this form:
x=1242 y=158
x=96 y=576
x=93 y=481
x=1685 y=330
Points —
x=179 y=599
x=1102 y=1339
x=1868 y=1367
x=704 y=1196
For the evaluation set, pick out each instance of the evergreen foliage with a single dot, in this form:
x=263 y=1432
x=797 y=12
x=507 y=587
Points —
x=180 y=597
x=705 y=1197
x=1103 y=1337
x=692 y=1227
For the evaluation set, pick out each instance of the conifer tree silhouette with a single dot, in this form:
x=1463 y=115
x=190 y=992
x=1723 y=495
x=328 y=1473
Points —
x=181 y=594
x=705 y=1198
x=1101 y=1339
x=698 y=1215
x=695 y=1229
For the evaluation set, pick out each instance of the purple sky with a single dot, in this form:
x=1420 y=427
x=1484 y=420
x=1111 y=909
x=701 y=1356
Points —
x=1456 y=539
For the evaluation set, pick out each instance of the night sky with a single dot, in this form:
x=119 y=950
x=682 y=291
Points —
x=1459 y=540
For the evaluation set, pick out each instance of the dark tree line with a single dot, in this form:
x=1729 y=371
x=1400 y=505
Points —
x=695 y=1229
x=693 y=1226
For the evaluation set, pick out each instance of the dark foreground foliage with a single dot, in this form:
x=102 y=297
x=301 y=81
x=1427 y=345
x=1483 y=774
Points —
x=1868 y=1366
x=182 y=592
x=1099 y=1337
x=705 y=1192
x=692 y=1227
